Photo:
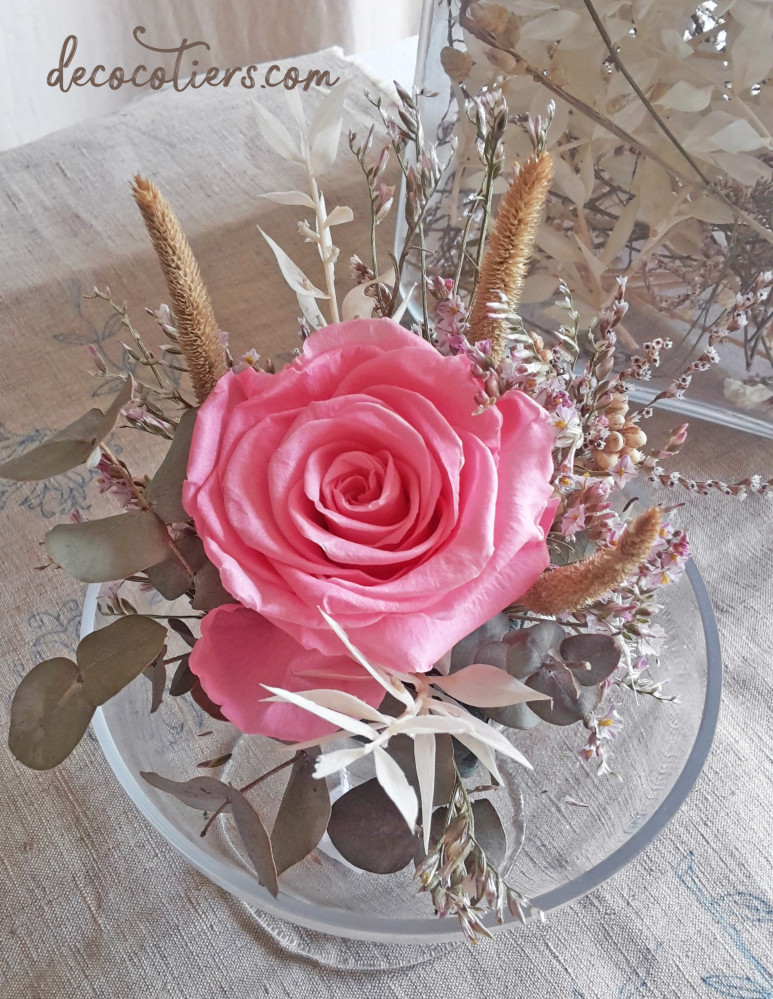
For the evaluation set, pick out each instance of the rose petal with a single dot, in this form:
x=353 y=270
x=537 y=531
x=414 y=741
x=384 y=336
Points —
x=239 y=651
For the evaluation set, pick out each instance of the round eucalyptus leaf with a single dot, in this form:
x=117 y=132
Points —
x=515 y=716
x=49 y=714
x=558 y=683
x=368 y=830
x=489 y=831
x=599 y=651
x=528 y=647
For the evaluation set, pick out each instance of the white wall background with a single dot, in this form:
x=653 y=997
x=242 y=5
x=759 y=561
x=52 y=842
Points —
x=239 y=32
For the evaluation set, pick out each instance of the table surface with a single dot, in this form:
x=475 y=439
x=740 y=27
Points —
x=94 y=903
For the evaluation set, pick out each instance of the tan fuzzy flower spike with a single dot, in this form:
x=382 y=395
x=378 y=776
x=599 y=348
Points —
x=507 y=255
x=572 y=587
x=196 y=323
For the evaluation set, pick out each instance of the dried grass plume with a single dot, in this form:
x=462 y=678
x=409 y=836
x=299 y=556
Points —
x=507 y=255
x=572 y=587
x=196 y=323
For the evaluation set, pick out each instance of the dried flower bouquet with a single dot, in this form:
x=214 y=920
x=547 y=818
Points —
x=397 y=549
x=662 y=154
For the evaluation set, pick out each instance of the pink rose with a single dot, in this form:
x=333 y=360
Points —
x=240 y=649
x=358 y=480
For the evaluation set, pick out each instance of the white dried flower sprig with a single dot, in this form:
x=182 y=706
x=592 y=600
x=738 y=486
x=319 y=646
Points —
x=428 y=711
x=316 y=152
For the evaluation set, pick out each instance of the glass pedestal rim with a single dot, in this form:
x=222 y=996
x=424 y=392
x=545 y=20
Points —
x=430 y=931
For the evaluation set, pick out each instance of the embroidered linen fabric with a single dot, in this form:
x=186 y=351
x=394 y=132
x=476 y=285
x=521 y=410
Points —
x=93 y=902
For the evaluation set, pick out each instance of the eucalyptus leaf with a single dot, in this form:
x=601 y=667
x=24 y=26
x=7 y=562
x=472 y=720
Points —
x=183 y=679
x=181 y=628
x=100 y=551
x=514 y=716
x=111 y=657
x=528 y=647
x=569 y=702
x=592 y=658
x=204 y=793
x=208 y=590
x=205 y=702
x=70 y=447
x=49 y=714
x=164 y=492
x=170 y=577
x=156 y=673
x=369 y=831
x=489 y=831
x=302 y=817
x=256 y=840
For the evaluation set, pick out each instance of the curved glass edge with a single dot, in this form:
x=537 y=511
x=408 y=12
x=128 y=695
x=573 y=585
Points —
x=411 y=931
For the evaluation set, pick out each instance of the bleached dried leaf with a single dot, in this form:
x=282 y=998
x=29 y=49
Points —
x=310 y=311
x=325 y=129
x=550 y=27
x=483 y=686
x=396 y=689
x=291 y=272
x=684 y=96
x=424 y=756
x=295 y=105
x=340 y=215
x=339 y=759
x=348 y=704
x=276 y=135
x=621 y=232
x=357 y=303
x=403 y=306
x=290 y=198
x=336 y=718
x=395 y=783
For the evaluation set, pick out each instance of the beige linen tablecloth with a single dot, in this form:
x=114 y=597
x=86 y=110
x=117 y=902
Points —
x=93 y=903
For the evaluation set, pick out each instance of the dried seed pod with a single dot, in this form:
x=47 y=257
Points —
x=614 y=442
x=634 y=436
x=616 y=420
x=605 y=460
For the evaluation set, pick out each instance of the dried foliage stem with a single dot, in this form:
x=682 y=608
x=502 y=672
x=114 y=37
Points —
x=139 y=496
x=571 y=587
x=249 y=787
x=506 y=259
x=470 y=25
x=326 y=252
x=197 y=326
